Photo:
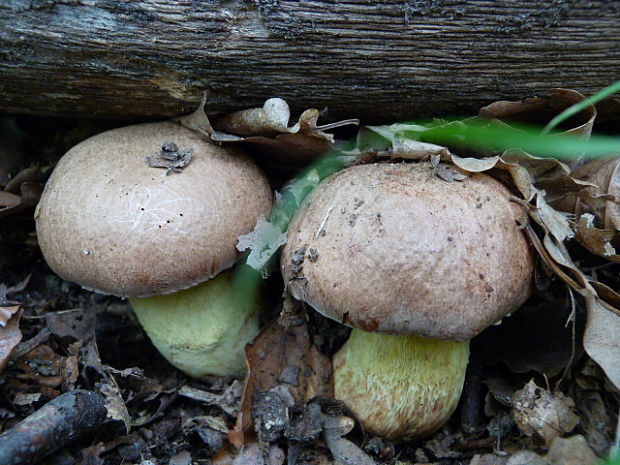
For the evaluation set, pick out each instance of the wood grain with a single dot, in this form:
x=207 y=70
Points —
x=379 y=60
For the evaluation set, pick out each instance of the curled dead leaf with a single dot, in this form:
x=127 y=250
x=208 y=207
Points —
x=597 y=208
x=272 y=117
x=8 y=203
x=268 y=129
x=540 y=110
x=21 y=192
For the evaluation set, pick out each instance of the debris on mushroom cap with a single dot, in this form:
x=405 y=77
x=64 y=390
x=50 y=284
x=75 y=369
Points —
x=110 y=222
x=401 y=251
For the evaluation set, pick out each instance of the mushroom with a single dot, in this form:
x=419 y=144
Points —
x=113 y=222
x=417 y=266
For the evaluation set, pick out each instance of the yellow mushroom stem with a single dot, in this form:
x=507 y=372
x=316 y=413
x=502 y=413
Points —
x=202 y=330
x=400 y=387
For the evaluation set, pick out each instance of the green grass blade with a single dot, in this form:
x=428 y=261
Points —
x=497 y=138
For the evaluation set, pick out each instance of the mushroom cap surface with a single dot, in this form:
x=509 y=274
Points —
x=108 y=221
x=392 y=248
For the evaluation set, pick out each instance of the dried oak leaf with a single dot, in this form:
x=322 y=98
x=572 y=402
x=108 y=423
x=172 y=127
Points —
x=543 y=414
x=267 y=128
x=596 y=209
x=10 y=335
x=287 y=357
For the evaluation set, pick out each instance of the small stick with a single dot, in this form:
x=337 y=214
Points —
x=53 y=426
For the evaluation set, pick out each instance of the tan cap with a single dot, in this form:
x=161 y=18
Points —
x=113 y=224
x=392 y=248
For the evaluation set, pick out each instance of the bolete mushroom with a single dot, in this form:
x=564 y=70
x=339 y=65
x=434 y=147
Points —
x=113 y=222
x=417 y=266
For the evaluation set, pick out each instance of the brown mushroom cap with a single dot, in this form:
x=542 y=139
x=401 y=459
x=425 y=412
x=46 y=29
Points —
x=392 y=248
x=113 y=224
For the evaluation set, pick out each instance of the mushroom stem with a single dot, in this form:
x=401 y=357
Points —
x=202 y=330
x=401 y=387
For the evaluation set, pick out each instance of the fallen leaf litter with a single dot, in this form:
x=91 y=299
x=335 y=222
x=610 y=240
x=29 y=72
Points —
x=283 y=409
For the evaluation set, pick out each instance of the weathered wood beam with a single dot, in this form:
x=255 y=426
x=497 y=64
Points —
x=379 y=60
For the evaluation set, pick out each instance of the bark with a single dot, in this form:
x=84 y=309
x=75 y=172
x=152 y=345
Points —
x=379 y=60
x=52 y=427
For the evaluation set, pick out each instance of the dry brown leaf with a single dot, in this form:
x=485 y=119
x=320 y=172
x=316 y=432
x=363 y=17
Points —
x=268 y=129
x=27 y=184
x=6 y=313
x=556 y=223
x=114 y=402
x=450 y=173
x=8 y=203
x=10 y=335
x=287 y=357
x=596 y=209
x=30 y=175
x=475 y=165
x=542 y=414
x=291 y=149
x=602 y=339
x=598 y=241
x=415 y=150
x=540 y=110
x=272 y=117
x=44 y=367
x=299 y=144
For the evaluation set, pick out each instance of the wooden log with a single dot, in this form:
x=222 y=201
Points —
x=378 y=60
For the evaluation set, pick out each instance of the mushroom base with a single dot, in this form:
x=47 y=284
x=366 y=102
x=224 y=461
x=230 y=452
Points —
x=202 y=330
x=400 y=387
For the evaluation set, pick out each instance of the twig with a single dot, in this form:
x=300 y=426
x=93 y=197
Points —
x=52 y=427
x=27 y=346
x=572 y=318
